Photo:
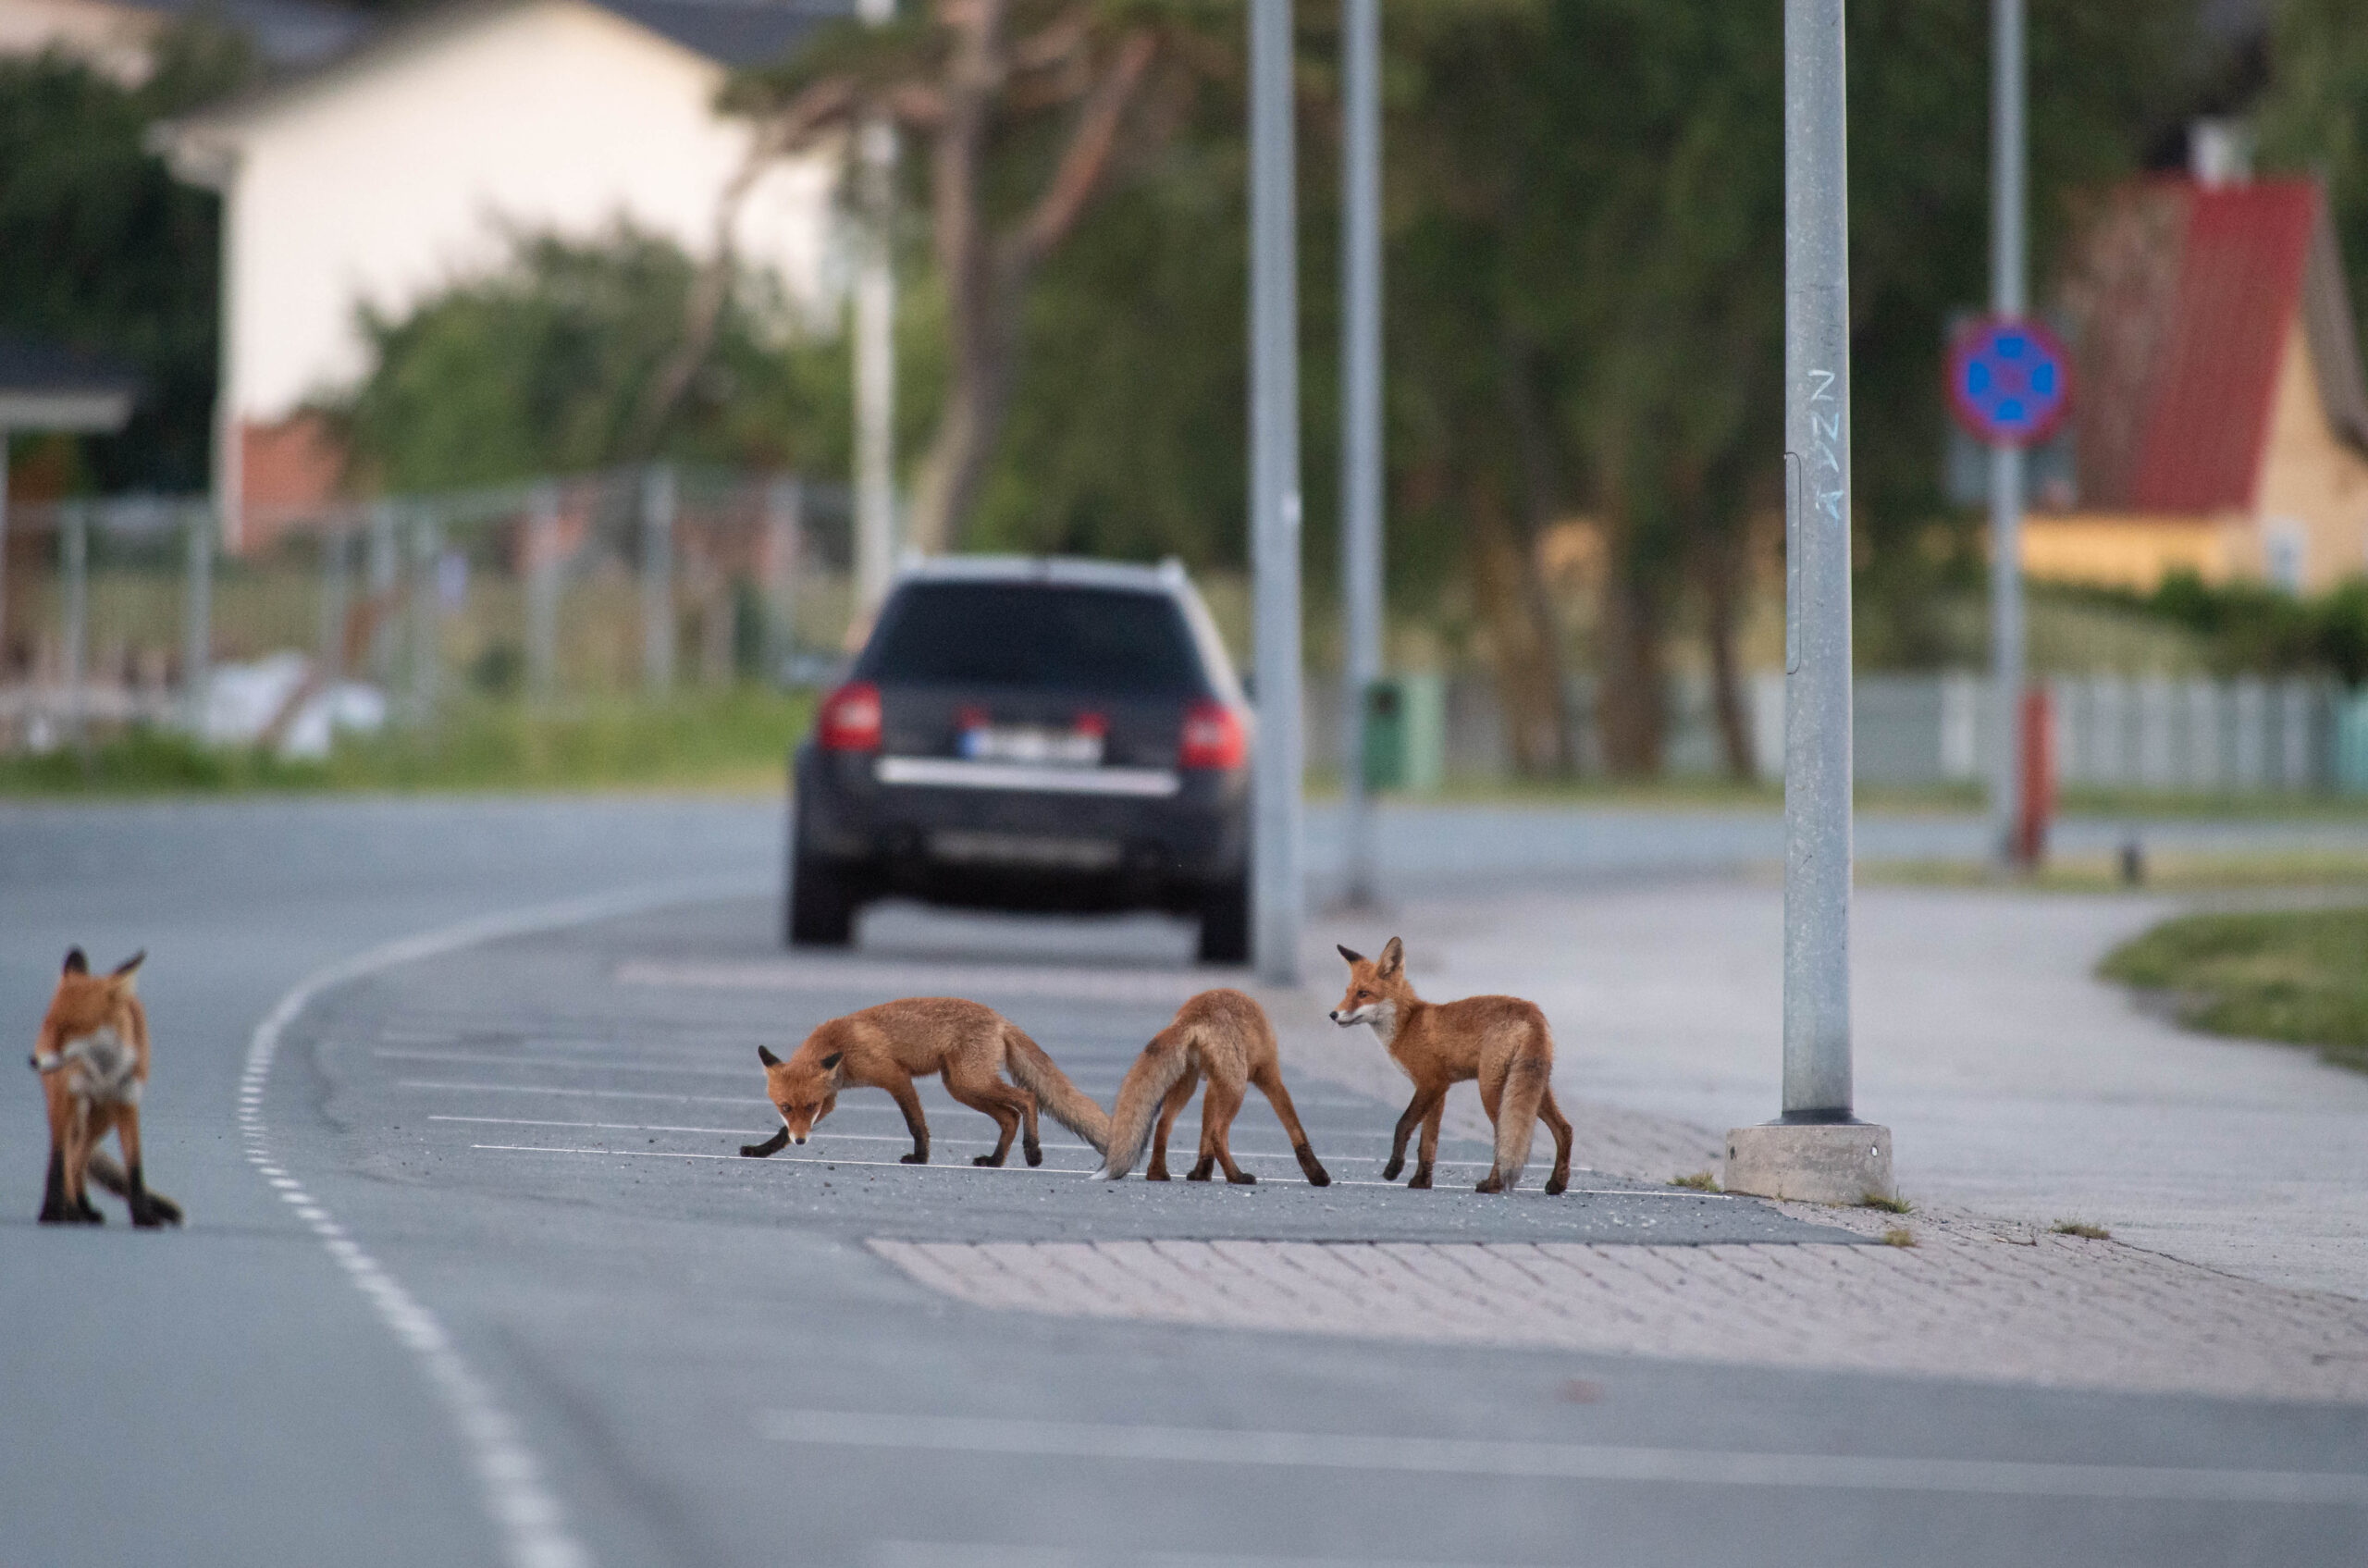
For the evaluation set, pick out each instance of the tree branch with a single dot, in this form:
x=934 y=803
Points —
x=1087 y=158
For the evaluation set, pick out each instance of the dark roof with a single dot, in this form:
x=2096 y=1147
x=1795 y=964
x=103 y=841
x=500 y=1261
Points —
x=48 y=386
x=2186 y=296
x=288 y=34
x=38 y=366
x=733 y=33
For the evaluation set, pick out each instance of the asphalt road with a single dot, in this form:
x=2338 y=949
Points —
x=474 y=1276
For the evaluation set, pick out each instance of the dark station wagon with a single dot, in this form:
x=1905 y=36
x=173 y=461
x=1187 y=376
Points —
x=1029 y=734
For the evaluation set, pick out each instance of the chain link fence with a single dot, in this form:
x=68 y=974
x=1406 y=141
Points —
x=122 y=612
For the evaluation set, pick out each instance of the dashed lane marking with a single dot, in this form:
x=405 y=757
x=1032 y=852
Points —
x=1115 y=1443
x=526 y=1516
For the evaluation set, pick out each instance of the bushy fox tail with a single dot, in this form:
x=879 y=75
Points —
x=1525 y=1086
x=1056 y=1096
x=1161 y=1066
x=103 y=1169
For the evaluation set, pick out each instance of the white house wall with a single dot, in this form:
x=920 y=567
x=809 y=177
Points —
x=393 y=175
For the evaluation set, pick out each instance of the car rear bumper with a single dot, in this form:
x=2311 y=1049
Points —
x=999 y=836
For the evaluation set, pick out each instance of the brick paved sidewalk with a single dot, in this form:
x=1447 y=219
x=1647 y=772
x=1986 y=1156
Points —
x=1973 y=1297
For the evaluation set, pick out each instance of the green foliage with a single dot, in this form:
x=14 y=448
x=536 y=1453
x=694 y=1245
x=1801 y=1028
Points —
x=2299 y=976
x=105 y=251
x=549 y=366
x=2254 y=628
x=733 y=738
x=2314 y=117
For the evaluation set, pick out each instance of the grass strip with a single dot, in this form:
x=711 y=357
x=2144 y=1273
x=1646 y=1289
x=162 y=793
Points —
x=2299 y=976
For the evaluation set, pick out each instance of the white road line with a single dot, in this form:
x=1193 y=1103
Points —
x=597 y=1093
x=526 y=1516
x=981 y=1554
x=1560 y=1461
x=488 y=1058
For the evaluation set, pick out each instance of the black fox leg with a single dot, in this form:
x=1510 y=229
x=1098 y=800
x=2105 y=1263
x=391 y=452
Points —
x=146 y=1213
x=55 y=1209
x=769 y=1146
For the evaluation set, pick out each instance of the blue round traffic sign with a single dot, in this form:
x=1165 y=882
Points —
x=2010 y=381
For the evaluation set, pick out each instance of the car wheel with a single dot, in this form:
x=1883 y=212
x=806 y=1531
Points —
x=1225 y=924
x=822 y=903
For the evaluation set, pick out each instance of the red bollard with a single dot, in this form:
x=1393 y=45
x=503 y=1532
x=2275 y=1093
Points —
x=2038 y=790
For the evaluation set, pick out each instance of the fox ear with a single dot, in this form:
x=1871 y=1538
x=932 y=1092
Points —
x=830 y=1062
x=130 y=967
x=765 y=1054
x=1352 y=957
x=75 y=963
x=1393 y=956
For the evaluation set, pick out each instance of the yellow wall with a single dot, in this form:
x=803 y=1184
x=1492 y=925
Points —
x=2131 y=551
x=2312 y=480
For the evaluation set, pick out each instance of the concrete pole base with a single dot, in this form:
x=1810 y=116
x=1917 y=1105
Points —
x=1846 y=1162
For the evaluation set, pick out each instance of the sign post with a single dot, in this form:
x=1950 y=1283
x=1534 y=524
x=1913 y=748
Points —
x=1359 y=422
x=1278 y=891
x=1817 y=1150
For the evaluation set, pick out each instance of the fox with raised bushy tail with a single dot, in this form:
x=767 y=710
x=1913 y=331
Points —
x=1501 y=1041
x=1224 y=1037
x=888 y=1047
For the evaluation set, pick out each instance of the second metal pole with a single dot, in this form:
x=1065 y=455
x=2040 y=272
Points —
x=1277 y=893
x=1359 y=422
x=2007 y=144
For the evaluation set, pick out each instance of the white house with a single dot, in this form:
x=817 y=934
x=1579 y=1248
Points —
x=404 y=165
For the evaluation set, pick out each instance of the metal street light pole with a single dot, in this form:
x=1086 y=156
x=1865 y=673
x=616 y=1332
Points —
x=1817 y=1150
x=2007 y=299
x=875 y=355
x=1359 y=419
x=1278 y=893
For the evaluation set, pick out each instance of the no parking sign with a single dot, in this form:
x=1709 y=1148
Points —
x=2010 y=381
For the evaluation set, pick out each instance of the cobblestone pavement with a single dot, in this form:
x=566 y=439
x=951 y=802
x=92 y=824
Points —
x=1969 y=1300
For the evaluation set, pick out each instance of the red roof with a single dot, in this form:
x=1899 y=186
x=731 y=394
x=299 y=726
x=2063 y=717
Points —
x=2184 y=298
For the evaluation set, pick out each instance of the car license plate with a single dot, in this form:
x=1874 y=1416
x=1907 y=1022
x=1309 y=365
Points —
x=1031 y=744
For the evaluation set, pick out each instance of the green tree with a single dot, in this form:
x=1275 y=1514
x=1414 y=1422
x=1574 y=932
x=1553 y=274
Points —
x=2313 y=116
x=562 y=361
x=105 y=251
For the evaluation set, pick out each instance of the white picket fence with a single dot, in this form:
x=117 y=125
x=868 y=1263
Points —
x=2155 y=733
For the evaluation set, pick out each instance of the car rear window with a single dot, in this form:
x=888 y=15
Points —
x=1025 y=635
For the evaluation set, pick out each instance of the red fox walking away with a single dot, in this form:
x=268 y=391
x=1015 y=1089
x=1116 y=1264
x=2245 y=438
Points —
x=1501 y=1041
x=1221 y=1035
x=888 y=1047
x=93 y=1057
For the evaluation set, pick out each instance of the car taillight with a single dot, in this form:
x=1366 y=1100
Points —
x=851 y=718
x=1213 y=737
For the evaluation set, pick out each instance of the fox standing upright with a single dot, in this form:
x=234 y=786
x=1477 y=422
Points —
x=889 y=1045
x=93 y=1057
x=1501 y=1041
x=1224 y=1035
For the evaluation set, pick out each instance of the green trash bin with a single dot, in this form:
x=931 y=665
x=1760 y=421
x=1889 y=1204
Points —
x=1406 y=732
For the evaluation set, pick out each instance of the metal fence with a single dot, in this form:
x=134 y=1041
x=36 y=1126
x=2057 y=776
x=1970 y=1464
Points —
x=126 y=611
x=2162 y=734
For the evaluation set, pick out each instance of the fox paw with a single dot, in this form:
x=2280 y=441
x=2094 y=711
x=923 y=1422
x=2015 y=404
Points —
x=1156 y=1173
x=1241 y=1178
x=986 y=1159
x=754 y=1151
x=1034 y=1151
x=1422 y=1183
x=1198 y=1173
x=1318 y=1177
x=1390 y=1172
x=1556 y=1185
x=1490 y=1183
x=912 y=1159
